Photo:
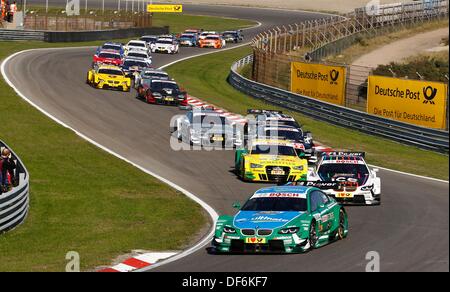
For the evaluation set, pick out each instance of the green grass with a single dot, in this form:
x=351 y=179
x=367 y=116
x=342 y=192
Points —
x=82 y=198
x=207 y=80
x=180 y=22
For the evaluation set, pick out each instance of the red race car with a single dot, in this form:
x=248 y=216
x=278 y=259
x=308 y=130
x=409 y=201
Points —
x=109 y=57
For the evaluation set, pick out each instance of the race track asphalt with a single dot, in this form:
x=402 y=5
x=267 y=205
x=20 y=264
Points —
x=410 y=230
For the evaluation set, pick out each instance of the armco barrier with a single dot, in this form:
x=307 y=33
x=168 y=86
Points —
x=430 y=139
x=80 y=36
x=15 y=203
x=84 y=36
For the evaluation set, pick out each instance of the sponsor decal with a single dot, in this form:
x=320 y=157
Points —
x=319 y=81
x=416 y=102
x=267 y=219
x=255 y=240
x=164 y=8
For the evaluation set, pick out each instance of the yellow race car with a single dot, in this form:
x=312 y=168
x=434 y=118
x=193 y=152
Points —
x=269 y=160
x=108 y=76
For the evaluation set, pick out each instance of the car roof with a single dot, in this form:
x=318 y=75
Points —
x=282 y=192
x=281 y=128
x=342 y=159
x=137 y=51
x=112 y=44
x=155 y=71
x=109 y=52
x=137 y=41
x=269 y=141
x=164 y=81
x=111 y=67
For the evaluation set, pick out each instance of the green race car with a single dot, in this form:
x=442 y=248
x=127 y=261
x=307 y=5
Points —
x=287 y=219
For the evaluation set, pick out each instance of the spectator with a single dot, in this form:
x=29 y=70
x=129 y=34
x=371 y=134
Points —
x=7 y=166
x=3 y=9
x=7 y=6
x=12 y=11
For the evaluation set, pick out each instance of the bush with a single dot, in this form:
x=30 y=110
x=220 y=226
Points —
x=432 y=68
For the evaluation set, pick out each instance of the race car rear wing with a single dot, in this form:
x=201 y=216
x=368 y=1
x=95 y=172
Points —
x=263 y=111
x=341 y=153
x=324 y=185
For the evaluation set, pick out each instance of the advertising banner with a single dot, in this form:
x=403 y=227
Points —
x=416 y=102
x=164 y=8
x=323 y=82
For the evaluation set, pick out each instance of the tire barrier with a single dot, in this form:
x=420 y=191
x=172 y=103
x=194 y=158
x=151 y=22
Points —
x=14 y=204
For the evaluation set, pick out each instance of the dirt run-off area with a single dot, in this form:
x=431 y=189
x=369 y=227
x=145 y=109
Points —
x=404 y=48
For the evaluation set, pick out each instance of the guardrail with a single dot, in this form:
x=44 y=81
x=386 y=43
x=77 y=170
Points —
x=20 y=35
x=80 y=36
x=425 y=138
x=14 y=204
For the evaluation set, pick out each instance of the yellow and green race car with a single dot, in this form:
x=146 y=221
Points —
x=270 y=160
x=108 y=76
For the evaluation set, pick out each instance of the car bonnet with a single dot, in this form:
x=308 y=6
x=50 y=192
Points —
x=264 y=219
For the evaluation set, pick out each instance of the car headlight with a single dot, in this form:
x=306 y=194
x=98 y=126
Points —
x=300 y=168
x=227 y=229
x=255 y=165
x=180 y=96
x=367 y=188
x=101 y=80
x=291 y=230
x=157 y=95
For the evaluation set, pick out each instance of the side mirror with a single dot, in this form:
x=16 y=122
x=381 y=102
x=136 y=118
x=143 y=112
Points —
x=237 y=205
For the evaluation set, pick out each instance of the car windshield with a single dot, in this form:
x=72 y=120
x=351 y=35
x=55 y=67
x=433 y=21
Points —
x=110 y=72
x=290 y=123
x=165 y=42
x=274 y=150
x=275 y=204
x=137 y=55
x=209 y=121
x=155 y=75
x=212 y=38
x=111 y=47
x=289 y=135
x=334 y=171
x=148 y=39
x=186 y=36
x=109 y=56
x=141 y=45
x=164 y=85
x=131 y=63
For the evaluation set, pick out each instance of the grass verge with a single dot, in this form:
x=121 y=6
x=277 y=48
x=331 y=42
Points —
x=82 y=198
x=181 y=22
x=207 y=80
